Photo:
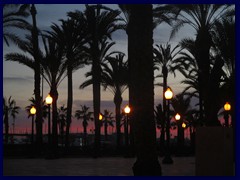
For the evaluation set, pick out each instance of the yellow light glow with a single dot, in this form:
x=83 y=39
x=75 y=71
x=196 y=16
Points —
x=168 y=94
x=49 y=99
x=100 y=117
x=177 y=117
x=184 y=125
x=127 y=109
x=33 y=110
x=227 y=107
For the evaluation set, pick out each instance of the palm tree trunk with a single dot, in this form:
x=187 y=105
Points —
x=6 y=127
x=163 y=125
x=85 y=135
x=96 y=103
x=118 y=102
x=54 y=95
x=37 y=80
x=180 y=138
x=69 y=105
x=106 y=131
x=141 y=87
x=203 y=44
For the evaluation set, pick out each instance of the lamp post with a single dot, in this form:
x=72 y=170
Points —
x=127 y=111
x=227 y=108
x=167 y=159
x=49 y=102
x=32 y=112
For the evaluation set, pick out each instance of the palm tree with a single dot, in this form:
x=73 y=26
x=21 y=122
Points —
x=224 y=48
x=141 y=89
x=9 y=109
x=33 y=103
x=159 y=117
x=85 y=115
x=54 y=71
x=101 y=22
x=165 y=57
x=107 y=121
x=30 y=45
x=37 y=72
x=53 y=67
x=201 y=17
x=115 y=78
x=181 y=106
x=72 y=34
x=14 y=16
x=62 y=116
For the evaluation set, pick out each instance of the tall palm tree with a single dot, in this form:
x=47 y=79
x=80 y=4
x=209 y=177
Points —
x=53 y=67
x=9 y=109
x=14 y=16
x=202 y=18
x=37 y=75
x=141 y=89
x=115 y=78
x=165 y=57
x=62 y=117
x=31 y=46
x=85 y=115
x=73 y=35
x=54 y=71
x=101 y=22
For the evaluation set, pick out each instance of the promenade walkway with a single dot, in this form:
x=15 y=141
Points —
x=107 y=166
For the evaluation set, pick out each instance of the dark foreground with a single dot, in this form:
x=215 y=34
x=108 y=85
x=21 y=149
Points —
x=107 y=166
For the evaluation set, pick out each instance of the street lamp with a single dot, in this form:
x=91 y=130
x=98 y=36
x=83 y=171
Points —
x=100 y=117
x=49 y=102
x=184 y=125
x=227 y=108
x=127 y=111
x=167 y=159
x=32 y=112
x=177 y=117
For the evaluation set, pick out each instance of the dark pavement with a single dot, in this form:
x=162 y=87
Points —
x=107 y=166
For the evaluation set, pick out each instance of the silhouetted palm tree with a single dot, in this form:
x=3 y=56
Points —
x=159 y=117
x=9 y=109
x=165 y=58
x=115 y=78
x=141 y=89
x=73 y=35
x=85 y=115
x=33 y=103
x=181 y=105
x=54 y=71
x=107 y=121
x=53 y=66
x=224 y=48
x=37 y=75
x=14 y=17
x=62 y=118
x=101 y=22
x=201 y=17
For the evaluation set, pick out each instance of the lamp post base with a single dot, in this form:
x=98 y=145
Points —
x=149 y=168
x=167 y=160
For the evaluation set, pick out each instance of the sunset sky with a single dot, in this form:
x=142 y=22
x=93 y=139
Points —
x=18 y=80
